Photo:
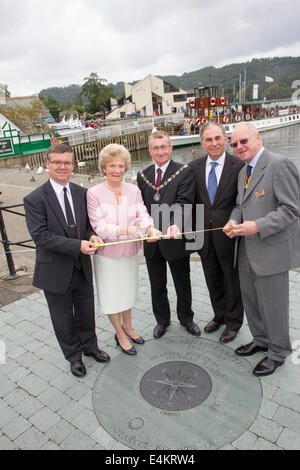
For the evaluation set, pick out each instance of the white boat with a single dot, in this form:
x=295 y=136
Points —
x=72 y=123
x=182 y=140
x=261 y=125
x=207 y=106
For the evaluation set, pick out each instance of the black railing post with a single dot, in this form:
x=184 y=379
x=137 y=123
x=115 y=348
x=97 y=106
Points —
x=10 y=262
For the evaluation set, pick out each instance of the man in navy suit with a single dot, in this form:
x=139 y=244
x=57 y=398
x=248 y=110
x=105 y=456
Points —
x=168 y=185
x=57 y=220
x=216 y=175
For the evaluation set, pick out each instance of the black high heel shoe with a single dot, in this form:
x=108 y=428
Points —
x=138 y=340
x=131 y=352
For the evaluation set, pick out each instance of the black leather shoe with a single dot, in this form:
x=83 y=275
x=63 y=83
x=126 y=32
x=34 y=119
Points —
x=212 y=326
x=228 y=335
x=249 y=349
x=130 y=352
x=98 y=355
x=78 y=368
x=138 y=340
x=266 y=367
x=193 y=328
x=159 y=331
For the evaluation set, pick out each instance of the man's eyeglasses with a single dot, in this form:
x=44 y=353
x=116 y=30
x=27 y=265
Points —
x=242 y=142
x=57 y=163
x=162 y=147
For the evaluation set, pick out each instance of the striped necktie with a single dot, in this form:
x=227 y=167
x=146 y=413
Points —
x=248 y=175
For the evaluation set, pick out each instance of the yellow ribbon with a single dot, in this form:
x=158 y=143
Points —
x=153 y=238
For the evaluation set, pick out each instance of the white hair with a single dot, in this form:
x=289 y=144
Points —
x=250 y=126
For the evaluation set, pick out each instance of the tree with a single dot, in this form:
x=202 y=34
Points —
x=52 y=105
x=4 y=90
x=97 y=92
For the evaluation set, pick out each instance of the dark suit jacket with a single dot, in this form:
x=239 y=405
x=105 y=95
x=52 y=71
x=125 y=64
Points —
x=179 y=192
x=55 y=251
x=217 y=215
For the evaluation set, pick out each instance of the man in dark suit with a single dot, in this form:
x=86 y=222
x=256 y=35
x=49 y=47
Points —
x=57 y=220
x=216 y=176
x=164 y=185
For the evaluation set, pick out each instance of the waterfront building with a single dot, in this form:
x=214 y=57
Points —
x=151 y=96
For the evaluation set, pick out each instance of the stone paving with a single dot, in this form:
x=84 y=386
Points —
x=43 y=406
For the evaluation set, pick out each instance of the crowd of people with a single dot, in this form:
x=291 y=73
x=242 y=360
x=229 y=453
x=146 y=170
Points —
x=251 y=240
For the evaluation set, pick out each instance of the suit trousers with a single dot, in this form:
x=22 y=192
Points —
x=180 y=270
x=73 y=317
x=223 y=284
x=266 y=302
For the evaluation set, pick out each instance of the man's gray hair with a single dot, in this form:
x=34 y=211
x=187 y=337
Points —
x=211 y=124
x=250 y=126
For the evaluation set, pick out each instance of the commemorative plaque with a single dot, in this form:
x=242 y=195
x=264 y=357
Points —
x=176 y=386
x=182 y=393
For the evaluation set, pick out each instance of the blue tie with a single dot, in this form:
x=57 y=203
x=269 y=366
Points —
x=248 y=175
x=212 y=184
x=249 y=171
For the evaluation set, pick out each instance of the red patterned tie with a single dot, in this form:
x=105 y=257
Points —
x=158 y=179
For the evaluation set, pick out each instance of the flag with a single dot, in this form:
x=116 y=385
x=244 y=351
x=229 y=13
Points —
x=269 y=79
x=255 y=92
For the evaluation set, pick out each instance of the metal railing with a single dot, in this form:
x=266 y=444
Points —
x=7 y=244
x=122 y=127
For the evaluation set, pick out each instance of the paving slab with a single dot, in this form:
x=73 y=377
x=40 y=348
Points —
x=42 y=406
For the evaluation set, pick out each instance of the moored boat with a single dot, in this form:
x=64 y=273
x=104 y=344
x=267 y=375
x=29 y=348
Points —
x=208 y=106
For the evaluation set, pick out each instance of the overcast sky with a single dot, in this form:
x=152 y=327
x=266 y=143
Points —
x=46 y=43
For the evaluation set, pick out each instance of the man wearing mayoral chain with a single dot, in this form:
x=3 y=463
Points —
x=168 y=189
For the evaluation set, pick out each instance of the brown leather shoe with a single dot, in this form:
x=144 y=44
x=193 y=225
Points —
x=193 y=328
x=212 y=326
x=228 y=335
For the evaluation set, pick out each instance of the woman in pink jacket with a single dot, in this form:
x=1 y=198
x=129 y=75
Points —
x=117 y=212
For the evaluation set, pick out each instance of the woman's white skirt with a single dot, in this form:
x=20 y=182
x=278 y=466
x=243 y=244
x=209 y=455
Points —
x=116 y=282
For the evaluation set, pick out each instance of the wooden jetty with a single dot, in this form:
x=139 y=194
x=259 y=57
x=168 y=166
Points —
x=91 y=150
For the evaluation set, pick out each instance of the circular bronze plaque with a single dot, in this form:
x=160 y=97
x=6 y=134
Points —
x=176 y=386
x=180 y=393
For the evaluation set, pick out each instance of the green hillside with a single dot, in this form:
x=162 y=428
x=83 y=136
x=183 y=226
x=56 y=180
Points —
x=284 y=70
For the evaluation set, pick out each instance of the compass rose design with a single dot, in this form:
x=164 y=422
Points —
x=176 y=385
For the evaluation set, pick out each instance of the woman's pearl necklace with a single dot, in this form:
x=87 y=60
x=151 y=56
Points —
x=112 y=189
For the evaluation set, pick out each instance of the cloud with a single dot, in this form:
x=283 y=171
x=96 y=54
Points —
x=56 y=43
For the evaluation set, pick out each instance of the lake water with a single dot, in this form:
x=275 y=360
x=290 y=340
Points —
x=285 y=140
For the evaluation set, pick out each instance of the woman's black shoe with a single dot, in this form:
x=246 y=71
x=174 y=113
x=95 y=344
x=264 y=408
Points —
x=138 y=340
x=131 y=352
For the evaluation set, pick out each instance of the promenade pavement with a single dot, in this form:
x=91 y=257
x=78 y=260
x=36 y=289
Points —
x=43 y=406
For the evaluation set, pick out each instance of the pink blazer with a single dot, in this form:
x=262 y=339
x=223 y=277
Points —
x=106 y=217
